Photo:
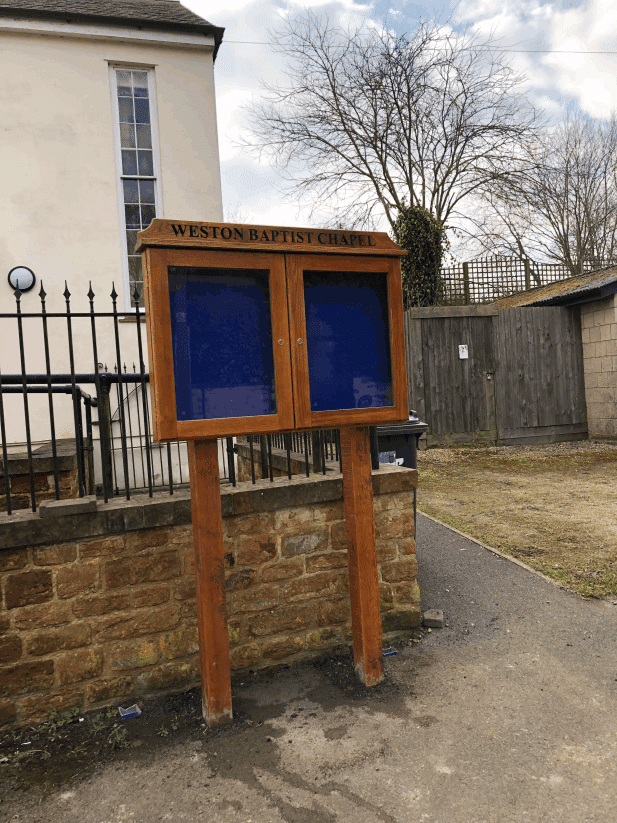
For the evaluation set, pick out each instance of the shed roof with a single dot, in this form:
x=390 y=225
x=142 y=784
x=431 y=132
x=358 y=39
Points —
x=157 y=14
x=579 y=289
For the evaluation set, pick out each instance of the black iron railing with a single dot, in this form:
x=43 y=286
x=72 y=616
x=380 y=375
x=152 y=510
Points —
x=99 y=441
x=290 y=454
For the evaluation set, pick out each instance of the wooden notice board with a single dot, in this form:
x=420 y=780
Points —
x=249 y=336
x=257 y=329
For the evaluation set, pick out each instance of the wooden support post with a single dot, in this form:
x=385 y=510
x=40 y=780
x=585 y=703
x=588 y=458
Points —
x=527 y=265
x=210 y=578
x=466 y=289
x=362 y=554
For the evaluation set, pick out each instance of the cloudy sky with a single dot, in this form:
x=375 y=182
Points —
x=566 y=48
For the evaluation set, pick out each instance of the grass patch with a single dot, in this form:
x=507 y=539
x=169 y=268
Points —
x=552 y=507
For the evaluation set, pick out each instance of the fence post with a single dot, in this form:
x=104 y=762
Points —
x=466 y=292
x=79 y=445
x=104 y=409
x=527 y=274
x=89 y=450
x=229 y=441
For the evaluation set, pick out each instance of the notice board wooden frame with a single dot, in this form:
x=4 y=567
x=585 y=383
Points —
x=166 y=425
x=305 y=417
x=286 y=253
x=162 y=245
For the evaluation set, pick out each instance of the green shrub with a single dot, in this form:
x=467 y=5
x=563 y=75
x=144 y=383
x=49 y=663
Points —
x=423 y=237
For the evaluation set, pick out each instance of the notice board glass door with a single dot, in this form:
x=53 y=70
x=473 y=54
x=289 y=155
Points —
x=221 y=330
x=225 y=357
x=347 y=339
x=344 y=313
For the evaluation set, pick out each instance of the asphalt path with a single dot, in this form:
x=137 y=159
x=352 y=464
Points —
x=484 y=595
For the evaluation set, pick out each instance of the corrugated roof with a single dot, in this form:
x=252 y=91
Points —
x=573 y=290
x=157 y=14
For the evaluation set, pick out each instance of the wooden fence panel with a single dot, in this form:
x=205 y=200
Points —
x=540 y=384
x=459 y=400
x=415 y=369
x=522 y=383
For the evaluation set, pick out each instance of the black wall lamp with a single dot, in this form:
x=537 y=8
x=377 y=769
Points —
x=22 y=278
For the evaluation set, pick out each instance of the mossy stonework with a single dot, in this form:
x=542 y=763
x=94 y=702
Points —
x=100 y=608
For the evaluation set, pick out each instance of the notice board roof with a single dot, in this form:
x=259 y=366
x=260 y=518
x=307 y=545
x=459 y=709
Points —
x=244 y=237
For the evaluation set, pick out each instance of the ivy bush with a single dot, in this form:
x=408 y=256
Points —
x=421 y=235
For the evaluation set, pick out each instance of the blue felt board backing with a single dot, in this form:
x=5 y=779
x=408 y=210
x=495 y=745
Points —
x=222 y=342
x=348 y=340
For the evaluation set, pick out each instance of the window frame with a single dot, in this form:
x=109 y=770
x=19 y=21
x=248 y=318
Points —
x=149 y=69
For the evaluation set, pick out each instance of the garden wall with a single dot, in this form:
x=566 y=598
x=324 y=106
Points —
x=99 y=607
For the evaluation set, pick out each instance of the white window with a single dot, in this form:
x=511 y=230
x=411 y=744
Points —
x=133 y=103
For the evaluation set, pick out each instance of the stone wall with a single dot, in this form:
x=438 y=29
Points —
x=599 y=330
x=99 y=607
x=43 y=476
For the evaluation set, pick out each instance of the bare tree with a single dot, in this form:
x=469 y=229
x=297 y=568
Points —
x=561 y=205
x=368 y=122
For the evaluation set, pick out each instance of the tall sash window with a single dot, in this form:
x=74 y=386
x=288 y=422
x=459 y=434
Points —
x=137 y=164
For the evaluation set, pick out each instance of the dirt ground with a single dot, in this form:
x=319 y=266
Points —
x=71 y=747
x=553 y=507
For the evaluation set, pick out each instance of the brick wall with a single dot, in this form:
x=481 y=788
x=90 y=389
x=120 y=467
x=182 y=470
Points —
x=100 y=608
x=599 y=330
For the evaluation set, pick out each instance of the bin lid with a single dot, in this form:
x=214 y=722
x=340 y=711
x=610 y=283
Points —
x=412 y=426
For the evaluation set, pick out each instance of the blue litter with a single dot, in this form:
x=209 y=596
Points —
x=132 y=711
x=389 y=651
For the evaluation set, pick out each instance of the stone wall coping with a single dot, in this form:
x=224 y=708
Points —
x=25 y=528
x=42 y=459
x=74 y=505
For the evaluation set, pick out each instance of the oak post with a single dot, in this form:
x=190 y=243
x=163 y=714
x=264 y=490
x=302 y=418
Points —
x=210 y=579
x=362 y=554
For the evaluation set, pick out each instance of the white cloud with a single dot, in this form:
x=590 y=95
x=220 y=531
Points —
x=562 y=28
x=243 y=62
x=555 y=81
